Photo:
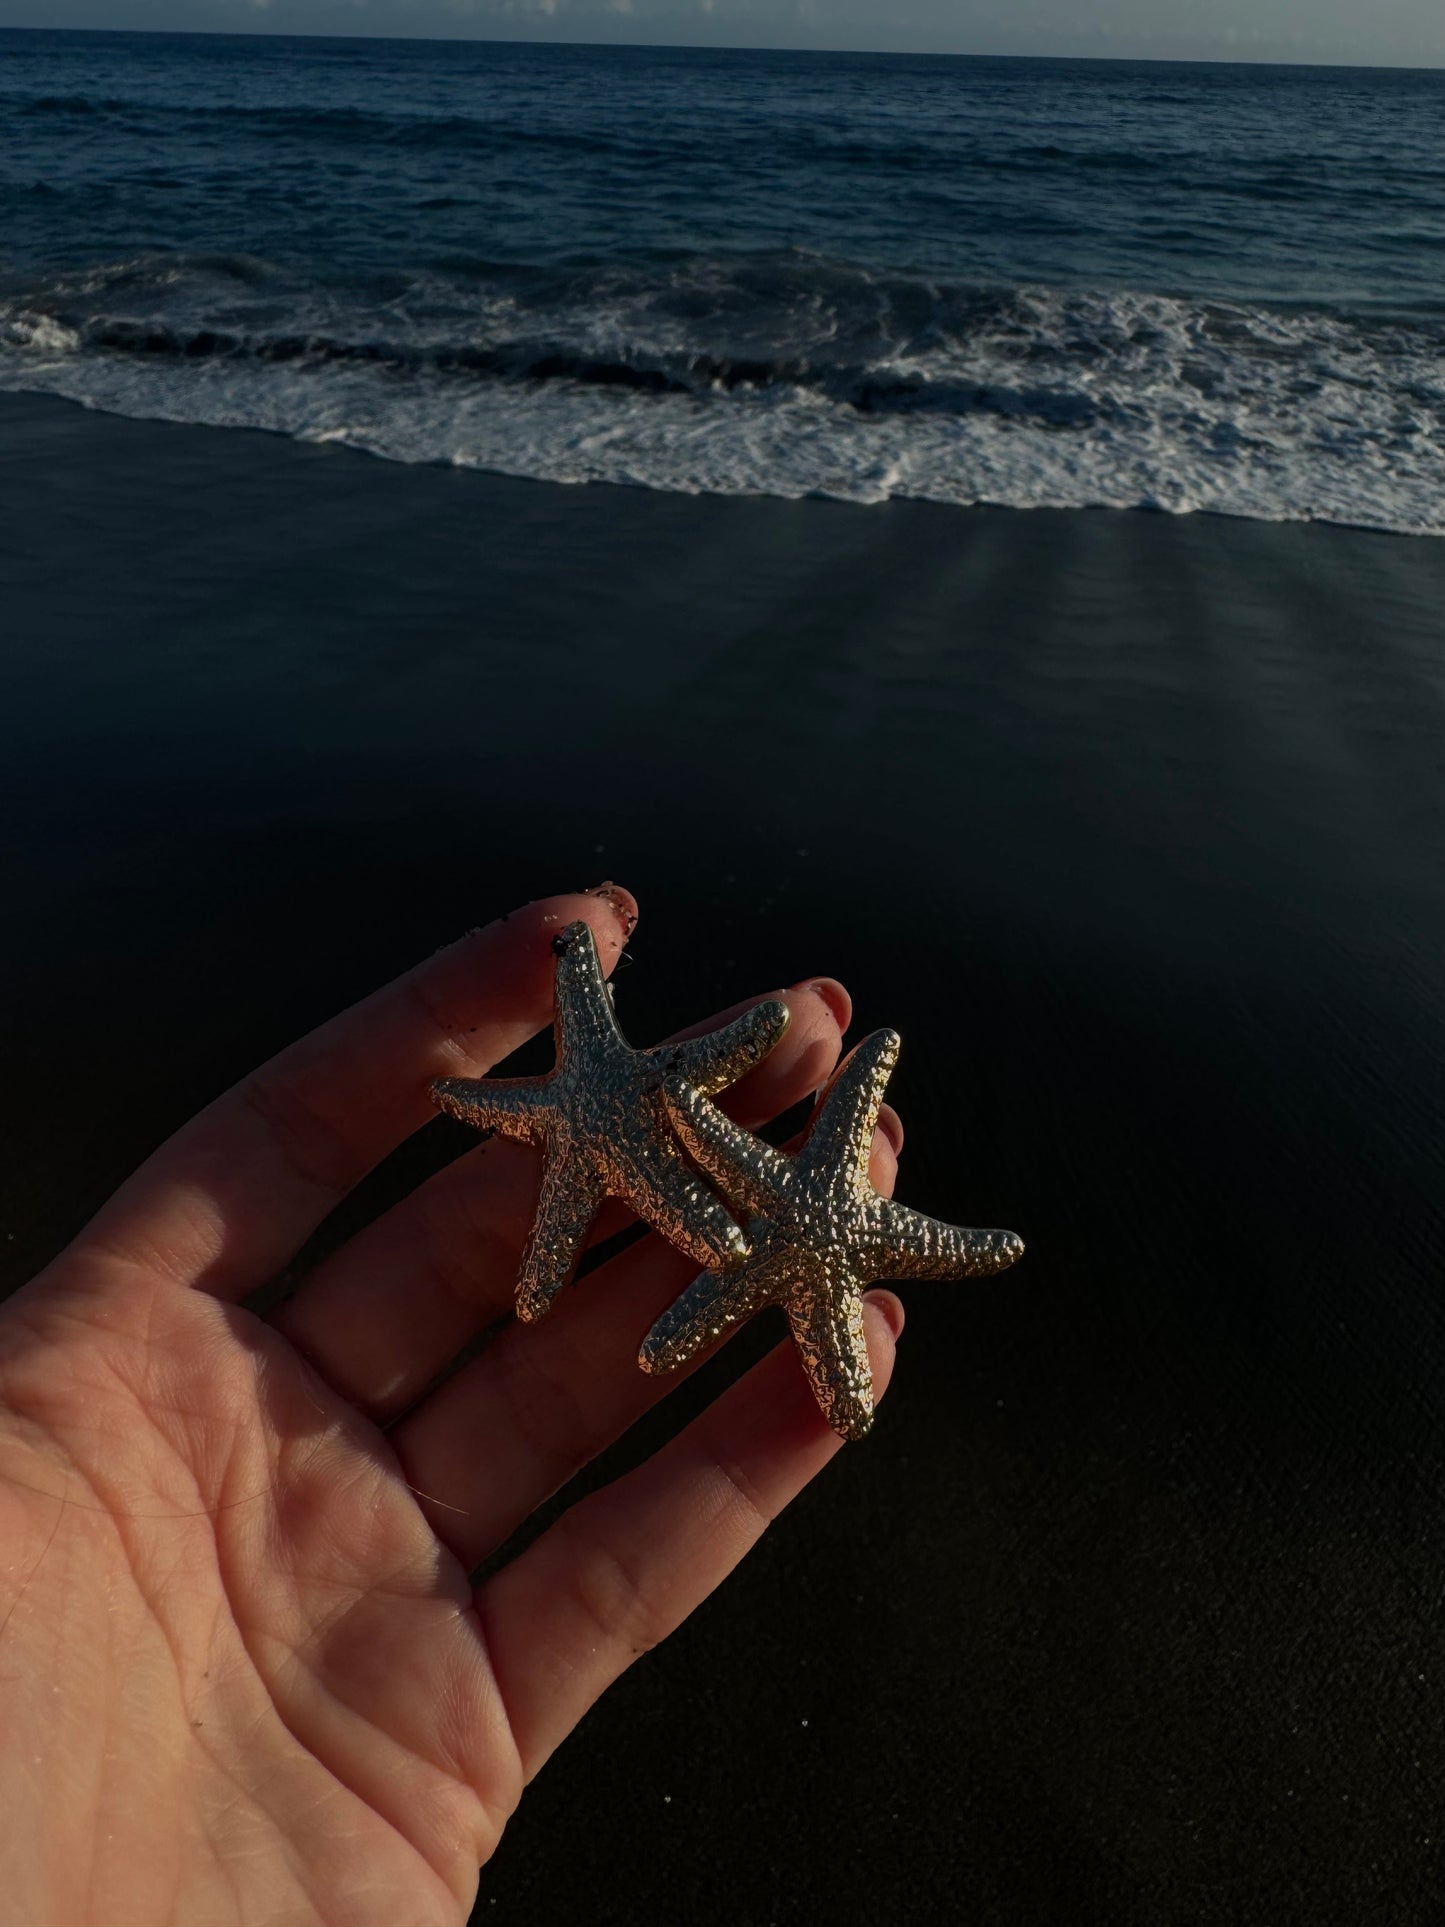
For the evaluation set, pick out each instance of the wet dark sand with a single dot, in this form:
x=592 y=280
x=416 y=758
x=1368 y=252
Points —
x=1130 y=1611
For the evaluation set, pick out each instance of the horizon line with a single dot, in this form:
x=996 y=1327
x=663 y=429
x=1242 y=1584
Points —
x=697 y=46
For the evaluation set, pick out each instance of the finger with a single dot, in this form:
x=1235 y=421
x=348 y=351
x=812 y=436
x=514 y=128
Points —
x=542 y=1401
x=232 y=1195
x=626 y=1566
x=382 y=1316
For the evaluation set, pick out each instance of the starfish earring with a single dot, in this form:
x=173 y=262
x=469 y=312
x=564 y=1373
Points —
x=820 y=1235
x=600 y=1118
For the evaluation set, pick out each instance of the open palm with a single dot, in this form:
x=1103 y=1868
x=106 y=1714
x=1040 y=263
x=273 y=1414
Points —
x=244 y=1674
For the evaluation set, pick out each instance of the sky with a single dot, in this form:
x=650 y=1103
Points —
x=1369 y=32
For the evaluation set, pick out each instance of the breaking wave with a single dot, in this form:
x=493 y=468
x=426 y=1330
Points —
x=783 y=373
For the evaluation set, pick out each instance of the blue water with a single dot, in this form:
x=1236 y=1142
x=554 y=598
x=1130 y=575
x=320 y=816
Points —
x=1018 y=281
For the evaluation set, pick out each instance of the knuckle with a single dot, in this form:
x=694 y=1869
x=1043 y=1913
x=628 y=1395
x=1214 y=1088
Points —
x=610 y=1594
x=312 y=1145
x=545 y=1410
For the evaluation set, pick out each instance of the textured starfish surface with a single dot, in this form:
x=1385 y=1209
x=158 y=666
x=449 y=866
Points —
x=601 y=1120
x=820 y=1236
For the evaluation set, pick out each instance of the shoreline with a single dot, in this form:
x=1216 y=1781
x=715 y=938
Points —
x=670 y=474
x=16 y=410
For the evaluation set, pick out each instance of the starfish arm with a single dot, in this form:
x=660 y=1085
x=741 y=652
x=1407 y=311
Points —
x=653 y=1179
x=710 y=1306
x=566 y=1205
x=906 y=1244
x=841 y=1137
x=720 y=1058
x=826 y=1318
x=516 y=1106
x=748 y=1172
x=584 y=1013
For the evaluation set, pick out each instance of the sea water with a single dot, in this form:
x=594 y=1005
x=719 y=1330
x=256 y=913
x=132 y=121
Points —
x=1023 y=282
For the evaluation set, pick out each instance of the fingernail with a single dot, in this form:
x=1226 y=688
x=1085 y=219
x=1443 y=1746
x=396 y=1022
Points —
x=891 y=1309
x=832 y=994
x=622 y=904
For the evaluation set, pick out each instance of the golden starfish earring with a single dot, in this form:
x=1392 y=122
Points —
x=820 y=1235
x=600 y=1118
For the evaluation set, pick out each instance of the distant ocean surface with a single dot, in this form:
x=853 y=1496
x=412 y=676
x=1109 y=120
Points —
x=1022 y=282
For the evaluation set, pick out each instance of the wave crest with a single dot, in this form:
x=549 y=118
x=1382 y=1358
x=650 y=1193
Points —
x=786 y=374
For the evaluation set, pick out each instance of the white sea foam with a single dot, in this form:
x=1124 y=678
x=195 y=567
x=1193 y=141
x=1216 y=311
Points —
x=1033 y=399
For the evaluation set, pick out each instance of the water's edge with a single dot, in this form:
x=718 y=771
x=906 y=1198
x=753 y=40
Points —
x=786 y=375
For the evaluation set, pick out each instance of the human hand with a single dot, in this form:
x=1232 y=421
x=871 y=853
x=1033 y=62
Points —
x=244 y=1676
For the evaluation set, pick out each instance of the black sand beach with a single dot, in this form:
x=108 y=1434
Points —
x=1130 y=1611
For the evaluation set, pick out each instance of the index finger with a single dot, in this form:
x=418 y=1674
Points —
x=223 y=1204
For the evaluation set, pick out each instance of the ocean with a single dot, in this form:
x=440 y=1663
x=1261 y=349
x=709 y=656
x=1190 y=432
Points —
x=1018 y=282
